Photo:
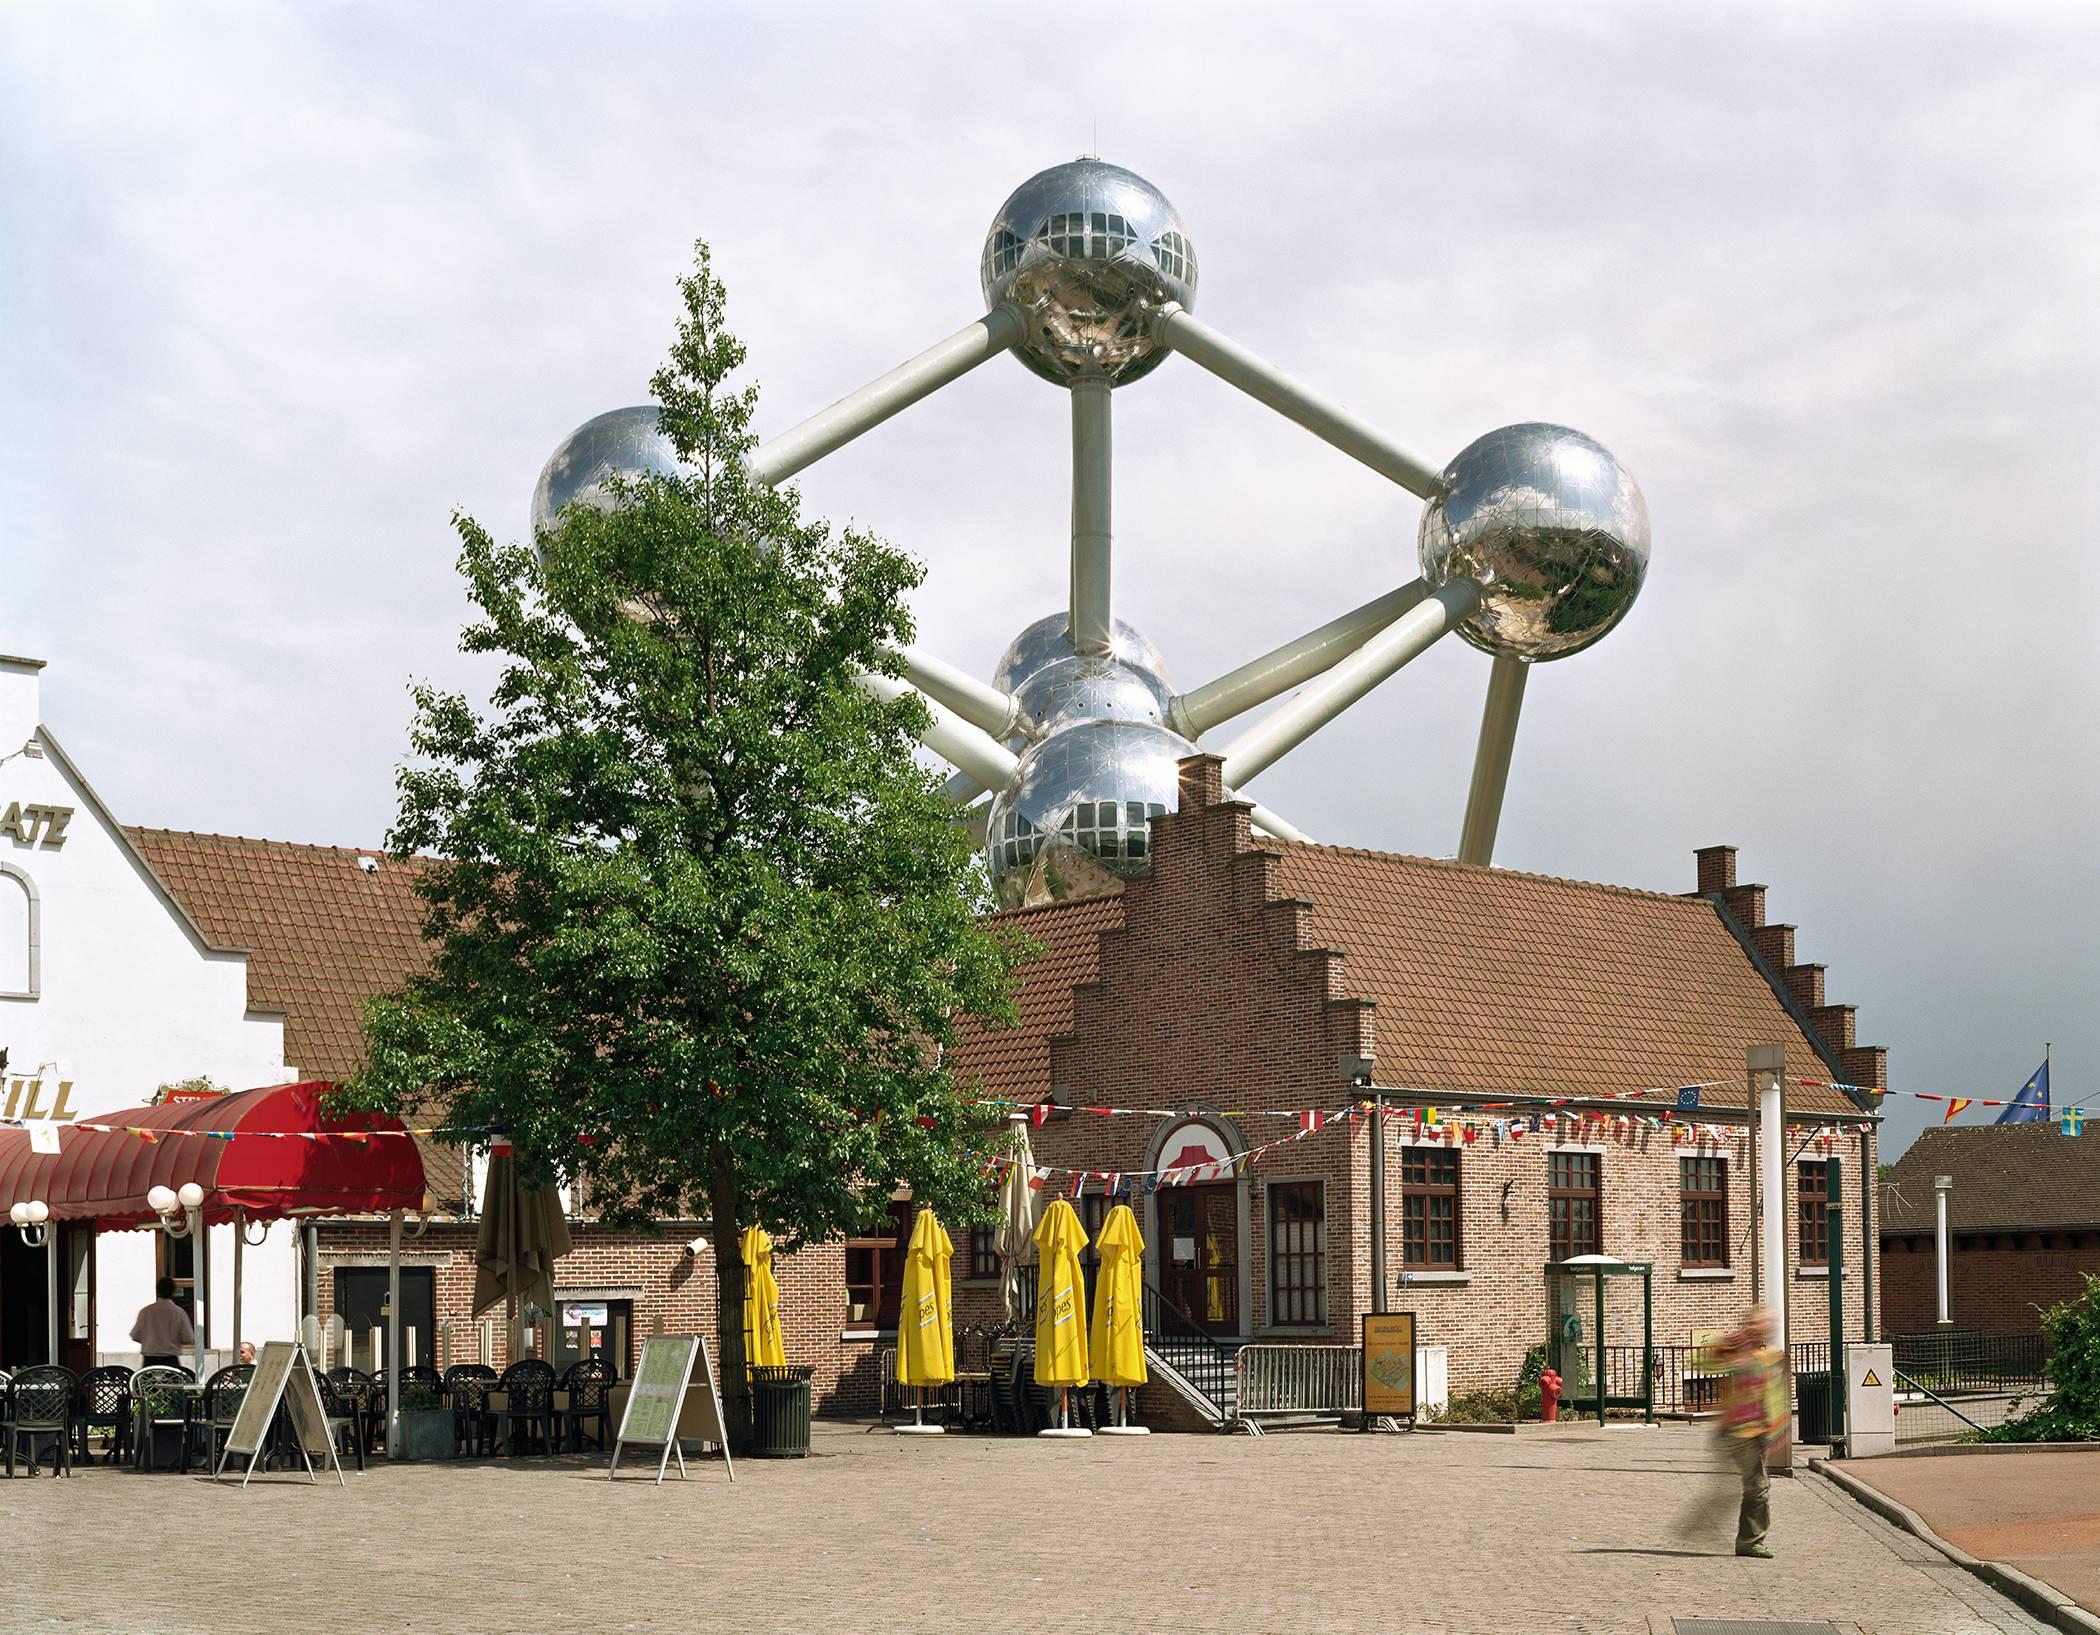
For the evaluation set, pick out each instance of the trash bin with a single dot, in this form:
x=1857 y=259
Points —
x=1812 y=1388
x=780 y=1413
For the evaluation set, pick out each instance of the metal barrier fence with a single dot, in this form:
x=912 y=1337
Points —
x=1683 y=1386
x=1926 y=1415
x=1299 y=1379
x=1971 y=1359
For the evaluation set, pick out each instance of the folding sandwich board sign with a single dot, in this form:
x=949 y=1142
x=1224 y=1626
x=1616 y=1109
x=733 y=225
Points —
x=283 y=1373
x=1389 y=1367
x=659 y=1405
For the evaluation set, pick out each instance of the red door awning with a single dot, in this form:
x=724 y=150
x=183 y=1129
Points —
x=266 y=1153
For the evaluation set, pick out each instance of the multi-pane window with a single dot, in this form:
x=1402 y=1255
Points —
x=875 y=1271
x=1297 y=1253
x=984 y=1252
x=1702 y=1188
x=1429 y=1208
x=1574 y=1182
x=1002 y=253
x=1176 y=257
x=1813 y=1180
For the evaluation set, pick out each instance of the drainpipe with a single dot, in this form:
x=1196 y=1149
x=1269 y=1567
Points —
x=1941 y=1187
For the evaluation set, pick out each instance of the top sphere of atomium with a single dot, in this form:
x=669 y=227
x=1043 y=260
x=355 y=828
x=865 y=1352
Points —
x=619 y=443
x=1089 y=252
x=1553 y=529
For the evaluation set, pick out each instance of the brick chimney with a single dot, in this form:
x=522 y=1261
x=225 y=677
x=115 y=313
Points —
x=1202 y=782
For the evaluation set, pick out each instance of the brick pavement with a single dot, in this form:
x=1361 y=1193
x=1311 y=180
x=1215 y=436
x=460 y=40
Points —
x=1447 y=1533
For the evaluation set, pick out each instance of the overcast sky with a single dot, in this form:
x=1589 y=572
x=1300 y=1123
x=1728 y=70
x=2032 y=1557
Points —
x=280 y=287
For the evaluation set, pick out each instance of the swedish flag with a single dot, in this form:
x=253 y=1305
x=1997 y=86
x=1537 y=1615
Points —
x=2031 y=1105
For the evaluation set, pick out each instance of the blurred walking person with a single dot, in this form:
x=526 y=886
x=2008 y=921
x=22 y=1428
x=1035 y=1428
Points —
x=1754 y=1411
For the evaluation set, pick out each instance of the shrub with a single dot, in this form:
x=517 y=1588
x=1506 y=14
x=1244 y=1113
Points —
x=420 y=1401
x=2072 y=1411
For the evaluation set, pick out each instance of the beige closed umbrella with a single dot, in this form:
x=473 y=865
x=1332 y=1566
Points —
x=523 y=1233
x=1020 y=1205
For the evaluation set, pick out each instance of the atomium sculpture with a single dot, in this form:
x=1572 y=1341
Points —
x=1533 y=544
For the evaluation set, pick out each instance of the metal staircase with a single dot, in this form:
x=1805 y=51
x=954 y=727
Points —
x=1200 y=1368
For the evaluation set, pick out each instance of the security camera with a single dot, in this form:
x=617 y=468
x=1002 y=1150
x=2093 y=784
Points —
x=696 y=1246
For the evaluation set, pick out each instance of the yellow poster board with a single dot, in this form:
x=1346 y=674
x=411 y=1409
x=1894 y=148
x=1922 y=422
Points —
x=1389 y=1365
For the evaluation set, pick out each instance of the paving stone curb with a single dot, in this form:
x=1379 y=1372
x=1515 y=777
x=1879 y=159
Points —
x=2045 y=1601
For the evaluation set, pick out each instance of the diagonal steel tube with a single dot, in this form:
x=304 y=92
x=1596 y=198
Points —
x=1498 y=738
x=1266 y=384
x=971 y=749
x=977 y=702
x=1297 y=719
x=1256 y=682
x=830 y=429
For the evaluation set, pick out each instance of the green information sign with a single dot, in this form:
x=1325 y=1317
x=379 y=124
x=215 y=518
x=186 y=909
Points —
x=665 y=1396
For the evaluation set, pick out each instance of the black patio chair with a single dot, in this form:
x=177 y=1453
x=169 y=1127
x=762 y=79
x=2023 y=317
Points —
x=368 y=1397
x=345 y=1419
x=222 y=1406
x=42 y=1402
x=528 y=1392
x=419 y=1377
x=467 y=1388
x=161 y=1396
x=104 y=1404
x=589 y=1384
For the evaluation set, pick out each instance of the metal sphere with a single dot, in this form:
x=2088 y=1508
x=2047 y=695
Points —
x=1554 y=530
x=1057 y=686
x=621 y=442
x=1089 y=251
x=1093 y=785
x=1049 y=640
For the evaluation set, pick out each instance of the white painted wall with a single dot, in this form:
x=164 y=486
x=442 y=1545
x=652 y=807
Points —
x=130 y=998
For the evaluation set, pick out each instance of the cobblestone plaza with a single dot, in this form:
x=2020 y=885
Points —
x=1320 y=1531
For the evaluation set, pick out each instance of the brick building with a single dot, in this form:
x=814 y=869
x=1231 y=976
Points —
x=2023 y=1217
x=1244 y=976
x=1250 y=976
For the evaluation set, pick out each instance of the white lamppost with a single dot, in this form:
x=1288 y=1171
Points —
x=32 y=1220
x=1942 y=1186
x=180 y=1212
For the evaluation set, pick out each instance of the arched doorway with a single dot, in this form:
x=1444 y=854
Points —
x=1198 y=1230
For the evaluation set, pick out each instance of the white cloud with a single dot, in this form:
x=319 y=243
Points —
x=284 y=286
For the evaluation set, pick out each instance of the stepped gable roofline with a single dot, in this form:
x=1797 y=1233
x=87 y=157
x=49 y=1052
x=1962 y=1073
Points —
x=2007 y=1178
x=1014 y=1063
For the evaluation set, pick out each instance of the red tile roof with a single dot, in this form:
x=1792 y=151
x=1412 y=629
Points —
x=1486 y=981
x=1491 y=980
x=323 y=934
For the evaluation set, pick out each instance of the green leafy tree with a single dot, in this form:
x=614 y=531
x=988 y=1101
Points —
x=704 y=924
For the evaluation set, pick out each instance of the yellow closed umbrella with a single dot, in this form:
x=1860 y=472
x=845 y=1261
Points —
x=762 y=1343
x=926 y=1327
x=1118 y=1339
x=1060 y=1308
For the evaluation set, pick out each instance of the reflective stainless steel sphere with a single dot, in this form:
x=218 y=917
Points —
x=1093 y=785
x=1089 y=251
x=622 y=442
x=1056 y=686
x=1554 y=530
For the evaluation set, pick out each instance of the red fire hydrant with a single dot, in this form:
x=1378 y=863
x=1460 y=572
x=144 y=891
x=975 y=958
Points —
x=1549 y=1397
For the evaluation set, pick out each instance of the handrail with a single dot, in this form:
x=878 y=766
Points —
x=1197 y=1356
x=1905 y=1383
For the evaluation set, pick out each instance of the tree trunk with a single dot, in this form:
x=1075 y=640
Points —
x=725 y=1202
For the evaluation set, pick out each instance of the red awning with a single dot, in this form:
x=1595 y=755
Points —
x=265 y=1153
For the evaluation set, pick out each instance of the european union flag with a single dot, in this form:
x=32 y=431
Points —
x=1688 y=1099
x=2031 y=1105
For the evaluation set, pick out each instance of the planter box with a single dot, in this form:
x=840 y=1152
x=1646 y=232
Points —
x=426 y=1433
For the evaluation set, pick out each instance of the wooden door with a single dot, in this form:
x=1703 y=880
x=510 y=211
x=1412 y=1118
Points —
x=1199 y=1255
